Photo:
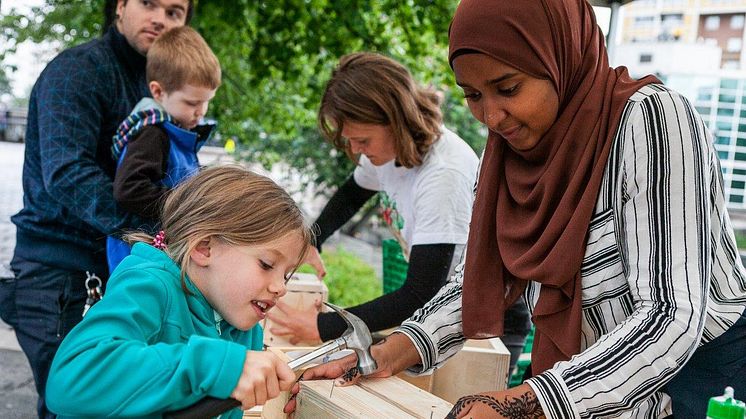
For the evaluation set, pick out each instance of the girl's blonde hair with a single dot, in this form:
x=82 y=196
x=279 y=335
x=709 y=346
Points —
x=370 y=88
x=231 y=204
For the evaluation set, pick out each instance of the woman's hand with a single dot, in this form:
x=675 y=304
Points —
x=313 y=258
x=392 y=355
x=294 y=324
x=517 y=402
x=263 y=377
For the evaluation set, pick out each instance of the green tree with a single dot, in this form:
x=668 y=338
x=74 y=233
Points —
x=276 y=57
x=4 y=82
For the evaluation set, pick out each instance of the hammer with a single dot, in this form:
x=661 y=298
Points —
x=356 y=337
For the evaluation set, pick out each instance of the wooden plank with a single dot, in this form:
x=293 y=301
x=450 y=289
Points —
x=424 y=382
x=254 y=412
x=410 y=399
x=482 y=365
x=304 y=291
x=371 y=398
x=273 y=408
x=317 y=399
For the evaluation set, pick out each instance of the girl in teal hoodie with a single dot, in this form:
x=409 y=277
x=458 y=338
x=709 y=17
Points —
x=179 y=319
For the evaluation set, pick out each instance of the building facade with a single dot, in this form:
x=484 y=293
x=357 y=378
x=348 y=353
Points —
x=716 y=22
x=696 y=48
x=721 y=100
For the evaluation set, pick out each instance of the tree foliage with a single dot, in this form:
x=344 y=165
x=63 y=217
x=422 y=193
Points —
x=4 y=82
x=276 y=57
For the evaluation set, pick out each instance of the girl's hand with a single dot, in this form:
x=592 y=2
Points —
x=517 y=402
x=295 y=325
x=393 y=354
x=313 y=258
x=264 y=376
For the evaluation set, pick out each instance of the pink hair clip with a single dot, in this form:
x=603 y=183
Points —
x=159 y=242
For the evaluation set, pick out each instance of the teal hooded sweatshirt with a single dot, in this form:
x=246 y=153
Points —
x=147 y=347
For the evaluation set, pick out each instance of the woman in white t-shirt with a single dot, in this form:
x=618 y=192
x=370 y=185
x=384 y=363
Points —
x=425 y=173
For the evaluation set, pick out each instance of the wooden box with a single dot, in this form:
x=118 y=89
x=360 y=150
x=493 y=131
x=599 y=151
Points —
x=304 y=291
x=482 y=365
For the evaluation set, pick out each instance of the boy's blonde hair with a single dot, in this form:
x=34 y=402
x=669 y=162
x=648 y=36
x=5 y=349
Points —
x=370 y=88
x=227 y=203
x=180 y=57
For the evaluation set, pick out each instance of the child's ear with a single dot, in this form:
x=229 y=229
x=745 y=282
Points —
x=156 y=90
x=200 y=255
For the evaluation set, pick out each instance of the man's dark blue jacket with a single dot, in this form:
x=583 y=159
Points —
x=75 y=106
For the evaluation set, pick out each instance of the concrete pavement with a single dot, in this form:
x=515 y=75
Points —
x=17 y=391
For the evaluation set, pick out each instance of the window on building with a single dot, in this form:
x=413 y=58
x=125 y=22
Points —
x=644 y=22
x=731 y=64
x=672 y=20
x=719 y=140
x=734 y=45
x=646 y=58
x=723 y=127
x=725 y=111
x=727 y=97
x=704 y=94
x=729 y=84
x=712 y=23
x=736 y=22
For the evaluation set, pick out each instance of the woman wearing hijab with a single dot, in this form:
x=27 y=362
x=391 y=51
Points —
x=600 y=201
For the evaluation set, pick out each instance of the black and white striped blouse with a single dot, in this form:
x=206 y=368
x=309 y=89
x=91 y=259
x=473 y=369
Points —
x=661 y=273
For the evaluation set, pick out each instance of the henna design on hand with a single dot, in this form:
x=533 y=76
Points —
x=524 y=407
x=350 y=374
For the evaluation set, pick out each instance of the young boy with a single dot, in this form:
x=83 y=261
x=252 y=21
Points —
x=156 y=146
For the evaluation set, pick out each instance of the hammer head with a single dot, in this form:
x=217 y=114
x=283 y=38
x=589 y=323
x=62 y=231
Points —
x=357 y=337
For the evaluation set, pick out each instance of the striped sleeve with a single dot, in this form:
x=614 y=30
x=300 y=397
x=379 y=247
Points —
x=663 y=228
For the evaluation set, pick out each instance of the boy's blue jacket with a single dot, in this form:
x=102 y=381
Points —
x=147 y=347
x=182 y=156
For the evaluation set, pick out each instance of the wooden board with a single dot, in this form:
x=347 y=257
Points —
x=273 y=408
x=482 y=365
x=371 y=398
x=304 y=291
x=317 y=399
x=424 y=382
x=417 y=402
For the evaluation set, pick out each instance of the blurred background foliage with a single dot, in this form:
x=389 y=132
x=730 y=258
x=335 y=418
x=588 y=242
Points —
x=276 y=57
x=350 y=280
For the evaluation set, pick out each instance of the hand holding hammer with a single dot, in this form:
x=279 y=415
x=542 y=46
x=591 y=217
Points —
x=356 y=337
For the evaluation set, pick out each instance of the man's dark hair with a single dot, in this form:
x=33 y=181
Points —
x=110 y=13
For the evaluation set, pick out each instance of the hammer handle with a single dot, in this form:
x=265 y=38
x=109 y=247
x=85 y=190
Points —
x=335 y=345
x=206 y=408
x=210 y=406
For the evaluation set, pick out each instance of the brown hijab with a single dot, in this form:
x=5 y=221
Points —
x=533 y=208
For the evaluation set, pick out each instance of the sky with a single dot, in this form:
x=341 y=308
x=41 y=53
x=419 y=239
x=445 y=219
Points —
x=27 y=58
x=31 y=58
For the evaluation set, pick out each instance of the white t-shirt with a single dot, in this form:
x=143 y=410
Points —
x=430 y=203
